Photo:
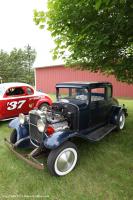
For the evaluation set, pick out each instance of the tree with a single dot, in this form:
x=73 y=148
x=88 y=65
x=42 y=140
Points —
x=17 y=65
x=4 y=65
x=29 y=58
x=98 y=34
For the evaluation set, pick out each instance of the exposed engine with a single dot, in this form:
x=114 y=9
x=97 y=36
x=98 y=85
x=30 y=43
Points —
x=59 y=117
x=56 y=119
x=62 y=116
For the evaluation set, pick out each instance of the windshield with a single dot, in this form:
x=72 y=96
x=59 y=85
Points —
x=73 y=93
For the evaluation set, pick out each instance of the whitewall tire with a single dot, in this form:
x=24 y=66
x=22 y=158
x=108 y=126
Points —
x=62 y=160
x=121 y=120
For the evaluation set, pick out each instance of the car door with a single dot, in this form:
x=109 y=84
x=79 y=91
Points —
x=32 y=98
x=84 y=116
x=99 y=106
x=14 y=102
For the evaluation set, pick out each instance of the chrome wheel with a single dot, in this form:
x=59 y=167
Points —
x=65 y=161
x=122 y=121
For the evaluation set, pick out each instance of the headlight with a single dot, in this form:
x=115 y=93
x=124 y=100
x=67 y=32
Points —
x=22 y=118
x=40 y=125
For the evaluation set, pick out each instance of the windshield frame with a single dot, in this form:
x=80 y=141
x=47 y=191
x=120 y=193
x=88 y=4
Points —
x=70 y=93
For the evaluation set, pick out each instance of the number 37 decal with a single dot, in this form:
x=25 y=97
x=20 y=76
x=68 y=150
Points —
x=15 y=104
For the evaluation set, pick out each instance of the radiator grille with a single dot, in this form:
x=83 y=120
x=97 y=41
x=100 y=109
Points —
x=34 y=118
x=35 y=135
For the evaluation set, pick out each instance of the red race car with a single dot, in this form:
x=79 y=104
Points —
x=18 y=98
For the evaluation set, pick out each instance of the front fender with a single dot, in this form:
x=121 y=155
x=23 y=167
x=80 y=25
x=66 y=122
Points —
x=58 y=138
x=22 y=130
x=14 y=123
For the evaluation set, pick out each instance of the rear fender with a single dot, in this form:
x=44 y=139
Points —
x=22 y=130
x=58 y=138
x=125 y=110
x=41 y=101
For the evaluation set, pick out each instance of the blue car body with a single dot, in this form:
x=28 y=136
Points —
x=86 y=117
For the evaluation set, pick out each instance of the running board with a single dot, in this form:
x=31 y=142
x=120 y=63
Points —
x=100 y=133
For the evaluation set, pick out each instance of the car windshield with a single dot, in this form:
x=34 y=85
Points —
x=73 y=93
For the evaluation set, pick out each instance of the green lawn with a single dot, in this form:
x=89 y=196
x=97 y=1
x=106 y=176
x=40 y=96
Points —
x=104 y=170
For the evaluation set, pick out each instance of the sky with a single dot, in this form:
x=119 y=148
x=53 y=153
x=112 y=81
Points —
x=17 y=29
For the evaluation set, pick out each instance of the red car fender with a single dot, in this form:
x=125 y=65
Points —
x=47 y=100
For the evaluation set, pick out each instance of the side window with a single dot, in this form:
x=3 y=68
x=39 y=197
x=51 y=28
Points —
x=108 y=92
x=81 y=94
x=15 y=91
x=97 y=94
x=29 y=90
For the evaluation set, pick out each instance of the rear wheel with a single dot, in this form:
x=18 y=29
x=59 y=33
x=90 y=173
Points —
x=120 y=120
x=13 y=136
x=62 y=160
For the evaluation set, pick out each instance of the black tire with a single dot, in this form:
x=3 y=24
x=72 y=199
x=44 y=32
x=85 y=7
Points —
x=43 y=106
x=54 y=159
x=13 y=136
x=120 y=122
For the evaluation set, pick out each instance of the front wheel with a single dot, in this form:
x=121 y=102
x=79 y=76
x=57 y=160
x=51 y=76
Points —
x=121 y=120
x=62 y=160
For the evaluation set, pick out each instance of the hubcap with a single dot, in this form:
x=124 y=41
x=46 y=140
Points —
x=65 y=161
x=122 y=121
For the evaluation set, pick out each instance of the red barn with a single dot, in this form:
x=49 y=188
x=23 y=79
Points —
x=46 y=77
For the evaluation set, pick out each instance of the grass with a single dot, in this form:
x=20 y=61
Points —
x=104 y=170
